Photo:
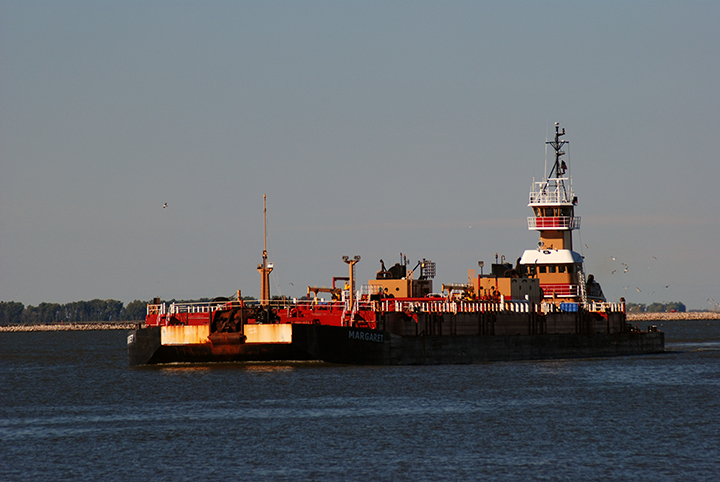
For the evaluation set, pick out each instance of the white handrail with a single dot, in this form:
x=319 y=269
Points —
x=552 y=191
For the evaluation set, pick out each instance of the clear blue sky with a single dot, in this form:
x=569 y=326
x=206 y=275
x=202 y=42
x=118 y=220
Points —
x=374 y=128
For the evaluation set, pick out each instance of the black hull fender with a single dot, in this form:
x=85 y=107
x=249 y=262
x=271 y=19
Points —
x=142 y=344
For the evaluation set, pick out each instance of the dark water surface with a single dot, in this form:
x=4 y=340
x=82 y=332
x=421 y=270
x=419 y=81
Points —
x=70 y=409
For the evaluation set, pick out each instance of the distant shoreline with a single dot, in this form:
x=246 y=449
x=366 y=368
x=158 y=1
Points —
x=72 y=327
x=692 y=315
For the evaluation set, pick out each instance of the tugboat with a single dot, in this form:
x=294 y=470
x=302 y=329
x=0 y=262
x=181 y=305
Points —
x=544 y=307
x=556 y=265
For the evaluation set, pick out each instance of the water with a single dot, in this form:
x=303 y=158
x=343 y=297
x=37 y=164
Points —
x=72 y=410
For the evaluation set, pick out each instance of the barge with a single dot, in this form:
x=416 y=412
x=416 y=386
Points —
x=543 y=307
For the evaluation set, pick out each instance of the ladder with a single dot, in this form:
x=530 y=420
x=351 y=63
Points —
x=583 y=287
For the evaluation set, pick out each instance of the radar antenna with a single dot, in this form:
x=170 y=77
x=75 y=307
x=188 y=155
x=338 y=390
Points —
x=559 y=167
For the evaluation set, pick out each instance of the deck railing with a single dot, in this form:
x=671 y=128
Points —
x=552 y=191
x=196 y=307
x=444 y=306
x=555 y=222
x=604 y=306
x=156 y=309
x=560 y=290
x=419 y=305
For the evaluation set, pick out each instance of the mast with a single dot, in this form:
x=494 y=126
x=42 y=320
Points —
x=559 y=167
x=351 y=264
x=265 y=268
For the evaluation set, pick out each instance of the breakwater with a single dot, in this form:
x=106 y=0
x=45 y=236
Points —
x=71 y=327
x=693 y=315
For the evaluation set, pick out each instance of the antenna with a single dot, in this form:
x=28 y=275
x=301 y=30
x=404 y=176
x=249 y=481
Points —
x=264 y=268
x=557 y=145
x=546 y=144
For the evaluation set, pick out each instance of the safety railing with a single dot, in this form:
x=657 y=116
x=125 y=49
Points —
x=194 y=307
x=552 y=191
x=444 y=306
x=604 y=306
x=156 y=309
x=313 y=304
x=408 y=306
x=560 y=290
x=555 y=222
x=198 y=307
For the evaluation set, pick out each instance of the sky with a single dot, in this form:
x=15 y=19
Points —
x=374 y=128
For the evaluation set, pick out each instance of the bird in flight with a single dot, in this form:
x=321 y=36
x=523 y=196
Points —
x=164 y=205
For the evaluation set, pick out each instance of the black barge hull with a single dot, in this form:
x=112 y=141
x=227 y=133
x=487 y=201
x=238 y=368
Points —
x=464 y=349
x=363 y=346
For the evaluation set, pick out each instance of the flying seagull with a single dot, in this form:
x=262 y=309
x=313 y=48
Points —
x=164 y=205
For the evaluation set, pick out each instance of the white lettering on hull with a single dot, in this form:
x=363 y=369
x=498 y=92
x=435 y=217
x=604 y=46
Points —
x=366 y=336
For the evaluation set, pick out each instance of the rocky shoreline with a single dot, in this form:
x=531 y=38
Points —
x=71 y=327
x=692 y=315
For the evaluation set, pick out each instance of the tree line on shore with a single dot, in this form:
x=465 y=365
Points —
x=15 y=313
x=671 y=307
